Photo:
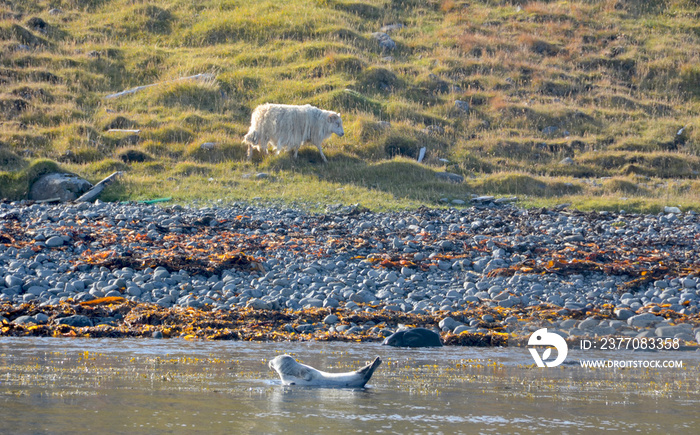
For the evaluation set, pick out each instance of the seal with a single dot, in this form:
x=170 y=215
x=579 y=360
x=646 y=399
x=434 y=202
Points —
x=293 y=373
x=413 y=337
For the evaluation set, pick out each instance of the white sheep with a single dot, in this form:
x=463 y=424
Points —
x=287 y=127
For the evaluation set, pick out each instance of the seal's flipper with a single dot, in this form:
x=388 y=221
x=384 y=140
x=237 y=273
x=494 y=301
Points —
x=367 y=371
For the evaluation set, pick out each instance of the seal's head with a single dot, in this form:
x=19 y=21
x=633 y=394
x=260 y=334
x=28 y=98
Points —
x=289 y=369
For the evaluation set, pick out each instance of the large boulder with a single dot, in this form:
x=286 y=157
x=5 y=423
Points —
x=413 y=337
x=450 y=177
x=76 y=321
x=385 y=41
x=65 y=187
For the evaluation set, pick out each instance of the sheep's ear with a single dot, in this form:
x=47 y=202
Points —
x=333 y=117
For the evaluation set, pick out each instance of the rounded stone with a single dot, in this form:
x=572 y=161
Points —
x=54 y=242
x=330 y=319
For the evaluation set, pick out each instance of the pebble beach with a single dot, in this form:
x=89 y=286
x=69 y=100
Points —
x=486 y=274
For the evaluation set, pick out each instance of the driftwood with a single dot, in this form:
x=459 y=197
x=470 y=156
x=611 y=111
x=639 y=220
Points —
x=98 y=188
x=122 y=130
x=203 y=76
x=47 y=201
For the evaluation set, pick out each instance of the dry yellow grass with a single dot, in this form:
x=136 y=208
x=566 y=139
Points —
x=613 y=86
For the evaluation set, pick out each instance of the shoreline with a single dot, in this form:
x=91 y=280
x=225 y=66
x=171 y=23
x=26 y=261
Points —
x=116 y=317
x=487 y=274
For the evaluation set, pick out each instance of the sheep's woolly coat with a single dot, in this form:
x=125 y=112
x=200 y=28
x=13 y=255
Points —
x=287 y=127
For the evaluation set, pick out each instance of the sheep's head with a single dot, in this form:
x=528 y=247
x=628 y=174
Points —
x=336 y=123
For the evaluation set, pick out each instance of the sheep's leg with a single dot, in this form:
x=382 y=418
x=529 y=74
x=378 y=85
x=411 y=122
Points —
x=322 y=156
x=251 y=139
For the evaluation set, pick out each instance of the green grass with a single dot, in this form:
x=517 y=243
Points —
x=606 y=84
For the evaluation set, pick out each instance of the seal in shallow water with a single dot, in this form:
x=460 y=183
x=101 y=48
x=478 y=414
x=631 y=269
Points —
x=414 y=337
x=293 y=373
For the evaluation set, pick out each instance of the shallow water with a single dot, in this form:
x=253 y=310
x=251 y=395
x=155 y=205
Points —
x=177 y=386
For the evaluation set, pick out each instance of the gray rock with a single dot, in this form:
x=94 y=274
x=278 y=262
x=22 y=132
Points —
x=304 y=327
x=508 y=303
x=311 y=303
x=617 y=324
x=461 y=328
x=385 y=41
x=258 y=304
x=165 y=302
x=643 y=320
x=160 y=274
x=672 y=331
x=413 y=337
x=689 y=283
x=623 y=313
x=589 y=323
x=28 y=297
x=330 y=319
x=462 y=106
x=568 y=323
x=352 y=330
x=13 y=280
x=41 y=318
x=449 y=177
x=448 y=323
x=503 y=295
x=483 y=199
x=76 y=321
x=65 y=187
x=54 y=242
x=83 y=296
x=24 y=320
x=568 y=161
x=444 y=265
x=604 y=330
x=684 y=336
x=331 y=303
x=393 y=307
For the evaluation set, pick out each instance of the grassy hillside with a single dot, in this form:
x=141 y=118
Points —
x=590 y=102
